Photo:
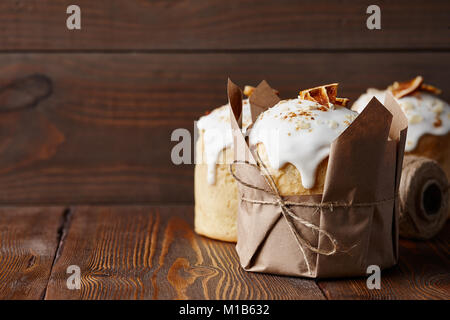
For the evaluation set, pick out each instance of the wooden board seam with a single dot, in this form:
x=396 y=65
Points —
x=63 y=229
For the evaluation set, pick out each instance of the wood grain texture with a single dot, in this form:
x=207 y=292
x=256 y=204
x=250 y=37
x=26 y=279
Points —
x=96 y=128
x=217 y=24
x=422 y=273
x=28 y=242
x=153 y=253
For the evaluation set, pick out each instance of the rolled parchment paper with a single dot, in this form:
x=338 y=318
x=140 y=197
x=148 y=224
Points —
x=424 y=198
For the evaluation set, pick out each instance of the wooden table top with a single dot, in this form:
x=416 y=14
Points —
x=151 y=252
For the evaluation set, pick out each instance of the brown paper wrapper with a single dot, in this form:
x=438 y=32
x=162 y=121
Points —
x=339 y=233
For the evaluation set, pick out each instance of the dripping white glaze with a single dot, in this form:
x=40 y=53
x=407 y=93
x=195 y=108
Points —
x=217 y=135
x=426 y=114
x=300 y=132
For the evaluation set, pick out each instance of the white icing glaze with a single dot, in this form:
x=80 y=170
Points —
x=300 y=132
x=217 y=134
x=426 y=114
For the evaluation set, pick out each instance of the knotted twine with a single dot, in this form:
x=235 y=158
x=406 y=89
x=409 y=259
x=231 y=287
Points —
x=289 y=215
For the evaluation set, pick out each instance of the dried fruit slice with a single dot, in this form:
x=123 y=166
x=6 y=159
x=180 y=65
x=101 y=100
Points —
x=331 y=91
x=248 y=90
x=318 y=95
x=341 y=101
x=401 y=89
x=324 y=95
x=430 y=88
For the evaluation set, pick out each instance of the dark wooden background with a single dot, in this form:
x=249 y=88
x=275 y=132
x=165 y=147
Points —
x=86 y=116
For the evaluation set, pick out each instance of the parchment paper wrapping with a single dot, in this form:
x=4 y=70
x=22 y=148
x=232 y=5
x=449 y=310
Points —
x=358 y=208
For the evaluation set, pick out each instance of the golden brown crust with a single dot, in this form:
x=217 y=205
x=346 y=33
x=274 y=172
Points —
x=216 y=205
x=288 y=179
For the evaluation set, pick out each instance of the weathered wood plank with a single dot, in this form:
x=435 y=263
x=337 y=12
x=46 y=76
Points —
x=217 y=24
x=153 y=253
x=28 y=242
x=95 y=128
x=422 y=273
